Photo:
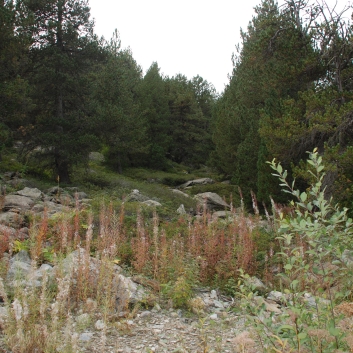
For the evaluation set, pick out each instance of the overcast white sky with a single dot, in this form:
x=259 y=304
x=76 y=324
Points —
x=191 y=37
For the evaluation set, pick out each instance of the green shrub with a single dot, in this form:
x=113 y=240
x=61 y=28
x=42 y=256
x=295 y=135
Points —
x=313 y=246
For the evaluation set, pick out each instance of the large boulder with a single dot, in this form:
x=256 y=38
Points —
x=127 y=291
x=19 y=267
x=12 y=219
x=12 y=232
x=179 y=192
x=22 y=203
x=152 y=203
x=21 y=271
x=212 y=201
x=32 y=193
x=201 y=181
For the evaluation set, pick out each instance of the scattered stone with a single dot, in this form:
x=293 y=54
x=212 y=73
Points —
x=272 y=308
x=145 y=313
x=136 y=196
x=213 y=316
x=277 y=297
x=99 y=325
x=213 y=294
x=181 y=209
x=86 y=336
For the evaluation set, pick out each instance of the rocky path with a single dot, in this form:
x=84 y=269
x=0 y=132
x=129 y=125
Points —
x=167 y=331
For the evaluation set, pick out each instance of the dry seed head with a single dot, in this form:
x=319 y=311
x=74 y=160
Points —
x=345 y=308
x=321 y=334
x=244 y=341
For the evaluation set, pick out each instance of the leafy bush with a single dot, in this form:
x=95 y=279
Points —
x=314 y=243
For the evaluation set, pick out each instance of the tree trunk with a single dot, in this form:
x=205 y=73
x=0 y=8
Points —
x=63 y=170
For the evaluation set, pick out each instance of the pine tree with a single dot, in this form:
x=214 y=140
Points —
x=63 y=51
x=188 y=125
x=115 y=102
x=155 y=109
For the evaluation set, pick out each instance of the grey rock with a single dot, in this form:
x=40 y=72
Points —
x=37 y=208
x=55 y=190
x=81 y=195
x=99 y=325
x=347 y=258
x=272 y=308
x=315 y=301
x=77 y=259
x=277 y=297
x=222 y=215
x=218 y=304
x=213 y=294
x=10 y=218
x=181 y=209
x=86 y=336
x=21 y=256
x=32 y=193
x=256 y=285
x=127 y=291
x=66 y=199
x=8 y=231
x=152 y=203
x=179 y=192
x=44 y=269
x=213 y=316
x=53 y=207
x=136 y=196
x=201 y=181
x=18 y=271
x=145 y=313
x=211 y=200
x=22 y=203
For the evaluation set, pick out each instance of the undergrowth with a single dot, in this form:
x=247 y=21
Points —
x=308 y=245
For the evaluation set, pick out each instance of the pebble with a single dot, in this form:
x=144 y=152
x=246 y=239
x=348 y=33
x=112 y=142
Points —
x=99 y=325
x=86 y=336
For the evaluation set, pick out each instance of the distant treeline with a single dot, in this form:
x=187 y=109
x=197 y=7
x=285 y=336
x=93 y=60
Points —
x=65 y=92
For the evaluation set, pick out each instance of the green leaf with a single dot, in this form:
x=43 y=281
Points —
x=302 y=335
x=303 y=196
x=288 y=267
x=334 y=331
x=286 y=327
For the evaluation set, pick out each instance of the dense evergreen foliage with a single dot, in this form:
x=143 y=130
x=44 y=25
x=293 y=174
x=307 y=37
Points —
x=290 y=91
x=64 y=92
